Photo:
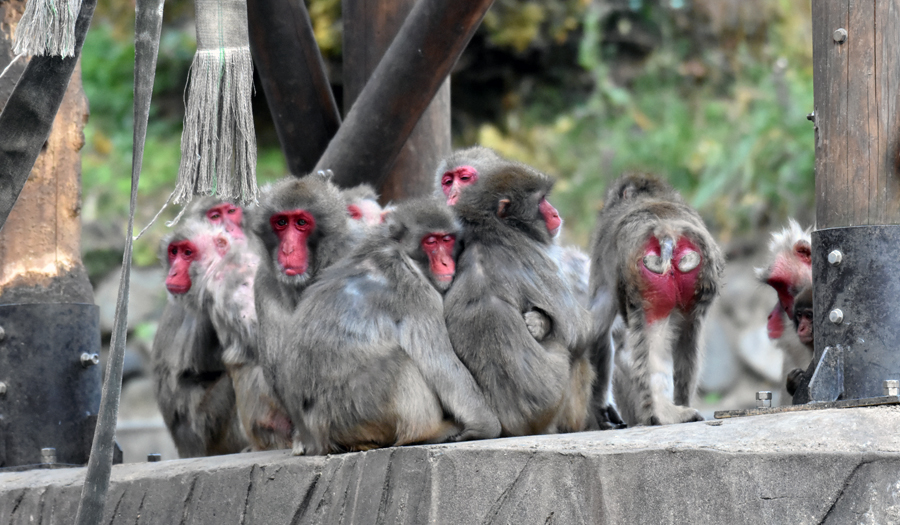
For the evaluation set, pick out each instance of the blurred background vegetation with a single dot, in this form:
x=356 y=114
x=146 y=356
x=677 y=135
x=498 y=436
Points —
x=709 y=94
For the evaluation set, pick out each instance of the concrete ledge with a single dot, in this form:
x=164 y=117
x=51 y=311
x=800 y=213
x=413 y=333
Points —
x=831 y=466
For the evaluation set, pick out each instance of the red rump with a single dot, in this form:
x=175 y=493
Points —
x=439 y=249
x=229 y=215
x=551 y=217
x=181 y=255
x=453 y=181
x=293 y=228
x=672 y=288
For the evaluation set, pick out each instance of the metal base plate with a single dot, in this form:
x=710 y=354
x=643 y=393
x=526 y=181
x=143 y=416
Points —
x=842 y=403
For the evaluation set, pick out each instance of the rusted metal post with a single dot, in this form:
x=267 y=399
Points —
x=369 y=28
x=47 y=314
x=402 y=86
x=292 y=74
x=856 y=55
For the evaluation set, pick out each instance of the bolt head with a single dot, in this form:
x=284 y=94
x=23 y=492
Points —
x=89 y=359
x=48 y=455
x=836 y=316
x=2 y=333
x=3 y=388
x=891 y=387
x=840 y=35
x=154 y=457
x=764 y=399
x=835 y=257
x=811 y=116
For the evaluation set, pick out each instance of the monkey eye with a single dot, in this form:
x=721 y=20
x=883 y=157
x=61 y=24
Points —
x=431 y=240
x=301 y=222
x=214 y=216
x=447 y=180
x=174 y=250
x=281 y=222
x=232 y=210
x=188 y=252
x=689 y=261
x=465 y=177
x=448 y=238
x=654 y=263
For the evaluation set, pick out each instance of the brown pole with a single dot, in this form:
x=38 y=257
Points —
x=856 y=55
x=40 y=243
x=292 y=74
x=369 y=28
x=402 y=86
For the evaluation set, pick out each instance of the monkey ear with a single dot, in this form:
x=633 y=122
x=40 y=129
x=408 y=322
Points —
x=503 y=208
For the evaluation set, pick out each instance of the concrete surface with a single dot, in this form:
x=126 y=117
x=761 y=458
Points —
x=832 y=466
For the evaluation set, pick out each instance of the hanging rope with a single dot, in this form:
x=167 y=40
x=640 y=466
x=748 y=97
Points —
x=147 y=28
x=47 y=27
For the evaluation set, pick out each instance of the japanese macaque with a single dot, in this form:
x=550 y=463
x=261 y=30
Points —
x=512 y=319
x=803 y=324
x=655 y=264
x=194 y=393
x=463 y=168
x=788 y=272
x=369 y=363
x=362 y=204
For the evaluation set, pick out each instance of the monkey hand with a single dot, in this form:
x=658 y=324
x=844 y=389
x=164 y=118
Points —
x=538 y=324
x=794 y=378
x=608 y=418
x=486 y=427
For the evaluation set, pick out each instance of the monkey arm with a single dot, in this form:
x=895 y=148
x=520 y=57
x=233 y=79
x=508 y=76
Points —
x=425 y=339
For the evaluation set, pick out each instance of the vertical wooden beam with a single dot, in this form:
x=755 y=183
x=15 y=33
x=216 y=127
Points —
x=292 y=74
x=402 y=86
x=40 y=243
x=369 y=29
x=857 y=75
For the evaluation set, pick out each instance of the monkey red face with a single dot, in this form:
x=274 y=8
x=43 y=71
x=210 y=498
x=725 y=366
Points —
x=804 y=326
x=551 y=217
x=229 y=216
x=293 y=228
x=669 y=274
x=453 y=181
x=181 y=255
x=439 y=249
x=788 y=275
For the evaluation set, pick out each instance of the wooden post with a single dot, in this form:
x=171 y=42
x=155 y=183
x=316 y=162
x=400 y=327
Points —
x=40 y=243
x=402 y=86
x=856 y=55
x=292 y=74
x=369 y=28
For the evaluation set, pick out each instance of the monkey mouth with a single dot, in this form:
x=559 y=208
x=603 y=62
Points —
x=444 y=277
x=178 y=289
x=294 y=270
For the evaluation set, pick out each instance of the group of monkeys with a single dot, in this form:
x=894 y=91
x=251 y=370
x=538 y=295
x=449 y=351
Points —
x=318 y=321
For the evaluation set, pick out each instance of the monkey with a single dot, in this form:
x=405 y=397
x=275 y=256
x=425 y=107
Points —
x=534 y=377
x=803 y=324
x=362 y=204
x=195 y=395
x=463 y=168
x=788 y=272
x=370 y=362
x=222 y=269
x=653 y=263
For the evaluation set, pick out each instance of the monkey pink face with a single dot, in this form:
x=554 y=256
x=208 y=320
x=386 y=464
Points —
x=293 y=229
x=181 y=255
x=439 y=249
x=669 y=277
x=551 y=217
x=366 y=211
x=229 y=216
x=453 y=181
x=789 y=274
x=805 y=327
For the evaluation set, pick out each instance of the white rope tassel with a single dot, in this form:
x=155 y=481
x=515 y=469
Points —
x=218 y=143
x=47 y=27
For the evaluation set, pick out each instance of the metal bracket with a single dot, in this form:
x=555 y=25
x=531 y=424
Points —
x=827 y=382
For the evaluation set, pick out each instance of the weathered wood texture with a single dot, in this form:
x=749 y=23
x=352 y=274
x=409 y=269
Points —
x=857 y=105
x=40 y=243
x=400 y=89
x=369 y=28
x=292 y=74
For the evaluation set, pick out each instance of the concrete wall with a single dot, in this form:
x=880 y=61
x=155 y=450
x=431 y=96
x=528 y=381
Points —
x=833 y=466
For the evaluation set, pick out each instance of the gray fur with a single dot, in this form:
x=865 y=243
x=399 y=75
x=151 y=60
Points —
x=194 y=393
x=638 y=207
x=508 y=270
x=370 y=363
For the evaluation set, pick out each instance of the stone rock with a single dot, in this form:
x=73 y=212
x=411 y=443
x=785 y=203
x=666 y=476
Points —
x=759 y=353
x=720 y=364
x=146 y=299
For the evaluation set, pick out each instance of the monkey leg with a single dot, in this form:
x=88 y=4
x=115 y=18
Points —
x=420 y=417
x=686 y=360
x=264 y=419
x=576 y=407
x=601 y=351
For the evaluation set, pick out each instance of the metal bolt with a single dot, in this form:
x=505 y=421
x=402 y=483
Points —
x=840 y=35
x=835 y=257
x=89 y=359
x=764 y=399
x=2 y=333
x=836 y=316
x=890 y=387
x=3 y=388
x=811 y=116
x=153 y=457
x=48 y=455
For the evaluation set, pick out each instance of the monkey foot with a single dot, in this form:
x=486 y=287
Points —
x=608 y=418
x=676 y=415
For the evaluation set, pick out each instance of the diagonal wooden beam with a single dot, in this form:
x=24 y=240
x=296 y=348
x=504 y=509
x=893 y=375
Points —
x=292 y=74
x=418 y=61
